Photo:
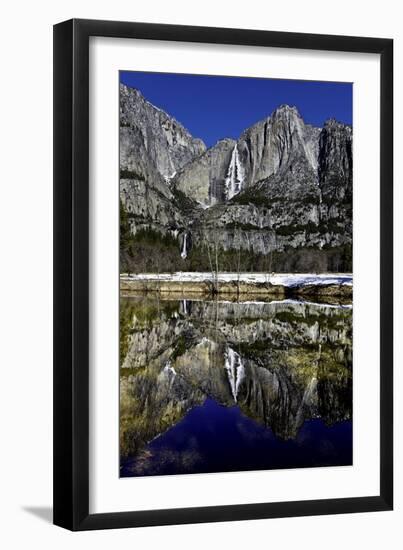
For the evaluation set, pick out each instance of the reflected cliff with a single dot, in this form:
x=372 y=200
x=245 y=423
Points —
x=219 y=386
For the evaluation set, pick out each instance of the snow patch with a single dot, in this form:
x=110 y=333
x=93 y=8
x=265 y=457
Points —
x=169 y=369
x=283 y=279
x=168 y=179
x=204 y=341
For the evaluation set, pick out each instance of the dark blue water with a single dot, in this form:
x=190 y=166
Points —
x=216 y=438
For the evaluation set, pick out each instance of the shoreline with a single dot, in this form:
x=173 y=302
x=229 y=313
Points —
x=286 y=285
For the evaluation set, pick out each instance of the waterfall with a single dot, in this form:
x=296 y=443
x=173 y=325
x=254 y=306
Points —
x=235 y=371
x=184 y=251
x=235 y=175
x=184 y=307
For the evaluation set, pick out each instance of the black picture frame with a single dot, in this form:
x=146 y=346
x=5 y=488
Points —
x=71 y=274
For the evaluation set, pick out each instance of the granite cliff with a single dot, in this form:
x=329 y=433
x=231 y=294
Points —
x=278 y=198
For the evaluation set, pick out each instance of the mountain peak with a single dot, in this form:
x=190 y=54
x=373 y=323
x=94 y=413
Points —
x=172 y=145
x=135 y=93
x=269 y=191
x=333 y=123
x=285 y=110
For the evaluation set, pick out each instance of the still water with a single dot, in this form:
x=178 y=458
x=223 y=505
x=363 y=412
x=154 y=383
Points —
x=215 y=386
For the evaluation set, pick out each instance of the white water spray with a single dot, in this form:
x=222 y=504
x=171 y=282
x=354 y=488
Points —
x=235 y=371
x=235 y=175
x=185 y=307
x=184 y=251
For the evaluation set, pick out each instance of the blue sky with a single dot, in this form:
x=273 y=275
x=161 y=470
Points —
x=214 y=107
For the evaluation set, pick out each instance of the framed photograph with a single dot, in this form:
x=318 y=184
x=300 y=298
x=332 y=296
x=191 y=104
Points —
x=223 y=303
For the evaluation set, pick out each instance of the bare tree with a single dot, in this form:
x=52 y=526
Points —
x=158 y=287
x=238 y=267
x=207 y=246
x=216 y=254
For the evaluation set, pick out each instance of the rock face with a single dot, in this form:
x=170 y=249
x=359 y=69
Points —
x=153 y=146
x=268 y=146
x=168 y=144
x=335 y=161
x=335 y=174
x=284 y=188
x=204 y=179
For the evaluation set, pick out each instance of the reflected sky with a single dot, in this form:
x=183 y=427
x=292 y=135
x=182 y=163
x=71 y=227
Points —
x=215 y=387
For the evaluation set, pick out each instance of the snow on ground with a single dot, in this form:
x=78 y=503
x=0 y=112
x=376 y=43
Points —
x=283 y=279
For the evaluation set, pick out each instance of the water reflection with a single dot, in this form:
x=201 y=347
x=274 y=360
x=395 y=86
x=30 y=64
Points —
x=219 y=386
